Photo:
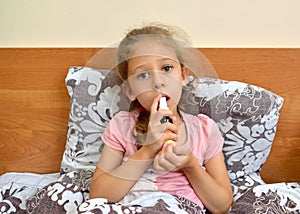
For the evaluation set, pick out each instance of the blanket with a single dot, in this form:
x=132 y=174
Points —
x=69 y=193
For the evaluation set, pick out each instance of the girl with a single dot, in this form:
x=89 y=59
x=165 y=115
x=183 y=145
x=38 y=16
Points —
x=135 y=159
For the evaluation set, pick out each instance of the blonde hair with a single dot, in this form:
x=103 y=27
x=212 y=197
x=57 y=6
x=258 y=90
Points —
x=170 y=34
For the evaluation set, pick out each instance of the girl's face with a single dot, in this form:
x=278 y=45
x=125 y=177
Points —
x=151 y=75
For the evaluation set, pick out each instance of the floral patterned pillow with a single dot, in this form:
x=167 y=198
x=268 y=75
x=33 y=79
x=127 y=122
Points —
x=94 y=99
x=247 y=116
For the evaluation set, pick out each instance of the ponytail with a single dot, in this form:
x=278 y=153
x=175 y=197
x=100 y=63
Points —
x=141 y=125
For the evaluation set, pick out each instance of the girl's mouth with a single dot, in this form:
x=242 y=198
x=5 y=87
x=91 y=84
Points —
x=166 y=96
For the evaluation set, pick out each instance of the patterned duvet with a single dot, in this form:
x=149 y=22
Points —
x=68 y=193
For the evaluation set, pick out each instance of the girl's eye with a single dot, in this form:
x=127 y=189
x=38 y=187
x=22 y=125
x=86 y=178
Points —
x=168 y=68
x=143 y=75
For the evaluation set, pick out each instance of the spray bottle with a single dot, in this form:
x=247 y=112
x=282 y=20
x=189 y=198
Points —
x=165 y=119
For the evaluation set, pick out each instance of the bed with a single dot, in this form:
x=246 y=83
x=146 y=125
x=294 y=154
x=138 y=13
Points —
x=49 y=136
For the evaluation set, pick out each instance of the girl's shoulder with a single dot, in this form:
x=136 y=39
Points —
x=124 y=117
x=200 y=118
x=207 y=138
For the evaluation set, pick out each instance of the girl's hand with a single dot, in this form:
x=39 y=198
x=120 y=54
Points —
x=159 y=132
x=172 y=158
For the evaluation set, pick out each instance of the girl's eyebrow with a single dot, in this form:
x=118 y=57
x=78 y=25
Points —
x=140 y=67
x=167 y=58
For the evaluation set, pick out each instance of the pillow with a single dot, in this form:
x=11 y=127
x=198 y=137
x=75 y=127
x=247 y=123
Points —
x=247 y=116
x=95 y=96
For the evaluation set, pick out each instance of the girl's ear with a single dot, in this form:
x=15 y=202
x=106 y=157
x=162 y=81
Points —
x=185 y=73
x=127 y=90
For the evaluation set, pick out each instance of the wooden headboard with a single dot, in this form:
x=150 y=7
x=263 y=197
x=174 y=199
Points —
x=34 y=103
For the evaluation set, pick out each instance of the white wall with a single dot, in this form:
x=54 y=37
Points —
x=99 y=23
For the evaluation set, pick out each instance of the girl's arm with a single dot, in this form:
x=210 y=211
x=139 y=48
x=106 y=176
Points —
x=112 y=178
x=211 y=185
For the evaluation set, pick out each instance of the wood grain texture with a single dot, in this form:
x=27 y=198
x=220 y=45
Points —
x=34 y=103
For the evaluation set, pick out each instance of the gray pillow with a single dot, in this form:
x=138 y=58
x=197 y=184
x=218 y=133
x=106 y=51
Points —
x=247 y=116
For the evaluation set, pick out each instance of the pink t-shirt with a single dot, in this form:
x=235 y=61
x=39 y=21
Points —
x=204 y=139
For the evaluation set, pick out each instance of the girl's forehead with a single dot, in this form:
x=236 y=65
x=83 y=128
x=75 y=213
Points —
x=152 y=47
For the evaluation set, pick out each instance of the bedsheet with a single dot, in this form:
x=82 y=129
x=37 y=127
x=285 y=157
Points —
x=68 y=193
x=16 y=188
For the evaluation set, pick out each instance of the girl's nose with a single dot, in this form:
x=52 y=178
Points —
x=159 y=84
x=158 y=81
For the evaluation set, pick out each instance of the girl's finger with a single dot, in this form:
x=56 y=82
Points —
x=155 y=104
x=181 y=150
x=163 y=164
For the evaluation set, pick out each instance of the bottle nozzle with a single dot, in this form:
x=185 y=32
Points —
x=163 y=103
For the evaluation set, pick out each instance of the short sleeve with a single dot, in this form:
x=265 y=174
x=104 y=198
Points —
x=111 y=136
x=118 y=134
x=115 y=134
